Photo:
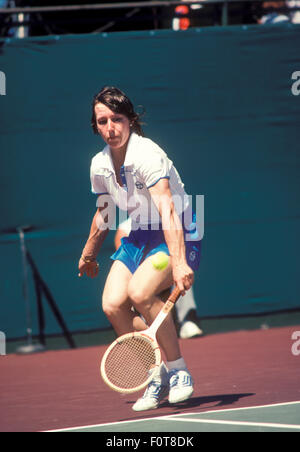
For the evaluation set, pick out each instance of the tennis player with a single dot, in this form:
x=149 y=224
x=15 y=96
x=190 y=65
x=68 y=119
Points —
x=135 y=174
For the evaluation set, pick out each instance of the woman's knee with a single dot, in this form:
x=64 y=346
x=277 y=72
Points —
x=111 y=306
x=139 y=297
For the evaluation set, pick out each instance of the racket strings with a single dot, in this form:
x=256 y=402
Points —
x=129 y=363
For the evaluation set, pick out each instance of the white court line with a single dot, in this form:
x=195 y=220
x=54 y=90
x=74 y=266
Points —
x=105 y=425
x=169 y=417
x=240 y=423
x=255 y=407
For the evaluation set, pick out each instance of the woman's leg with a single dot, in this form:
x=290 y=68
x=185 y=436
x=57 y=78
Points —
x=144 y=290
x=116 y=304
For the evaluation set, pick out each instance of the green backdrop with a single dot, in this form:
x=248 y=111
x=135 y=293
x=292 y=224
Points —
x=218 y=100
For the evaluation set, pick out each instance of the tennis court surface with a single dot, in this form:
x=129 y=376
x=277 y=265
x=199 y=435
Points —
x=282 y=417
x=244 y=381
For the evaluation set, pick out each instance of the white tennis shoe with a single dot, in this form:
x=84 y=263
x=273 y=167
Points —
x=190 y=329
x=157 y=390
x=181 y=385
x=178 y=383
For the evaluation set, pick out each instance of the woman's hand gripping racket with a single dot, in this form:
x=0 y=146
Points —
x=133 y=360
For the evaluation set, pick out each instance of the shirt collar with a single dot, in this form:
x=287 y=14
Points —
x=107 y=163
x=131 y=148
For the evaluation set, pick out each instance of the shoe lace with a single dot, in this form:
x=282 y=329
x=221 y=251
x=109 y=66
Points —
x=174 y=378
x=152 y=388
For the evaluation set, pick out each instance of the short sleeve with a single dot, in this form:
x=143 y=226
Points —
x=155 y=166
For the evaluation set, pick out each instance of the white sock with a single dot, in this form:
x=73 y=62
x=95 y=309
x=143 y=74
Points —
x=178 y=364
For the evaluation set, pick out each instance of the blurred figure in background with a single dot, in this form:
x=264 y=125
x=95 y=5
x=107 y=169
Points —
x=181 y=20
x=294 y=11
x=14 y=25
x=273 y=13
x=183 y=16
x=186 y=309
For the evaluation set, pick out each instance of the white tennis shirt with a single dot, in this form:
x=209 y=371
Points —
x=145 y=164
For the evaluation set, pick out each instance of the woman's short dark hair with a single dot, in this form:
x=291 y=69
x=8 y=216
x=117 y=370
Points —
x=119 y=103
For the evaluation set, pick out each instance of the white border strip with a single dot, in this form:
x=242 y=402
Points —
x=170 y=417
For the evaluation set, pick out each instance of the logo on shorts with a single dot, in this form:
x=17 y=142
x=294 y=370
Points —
x=139 y=185
x=192 y=256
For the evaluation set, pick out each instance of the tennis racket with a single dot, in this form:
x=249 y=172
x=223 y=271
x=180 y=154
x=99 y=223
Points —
x=133 y=360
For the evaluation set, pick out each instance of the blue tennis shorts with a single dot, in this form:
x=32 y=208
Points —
x=141 y=244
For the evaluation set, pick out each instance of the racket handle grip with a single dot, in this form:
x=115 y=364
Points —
x=174 y=295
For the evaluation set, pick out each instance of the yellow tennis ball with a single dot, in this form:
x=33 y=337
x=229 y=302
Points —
x=160 y=260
